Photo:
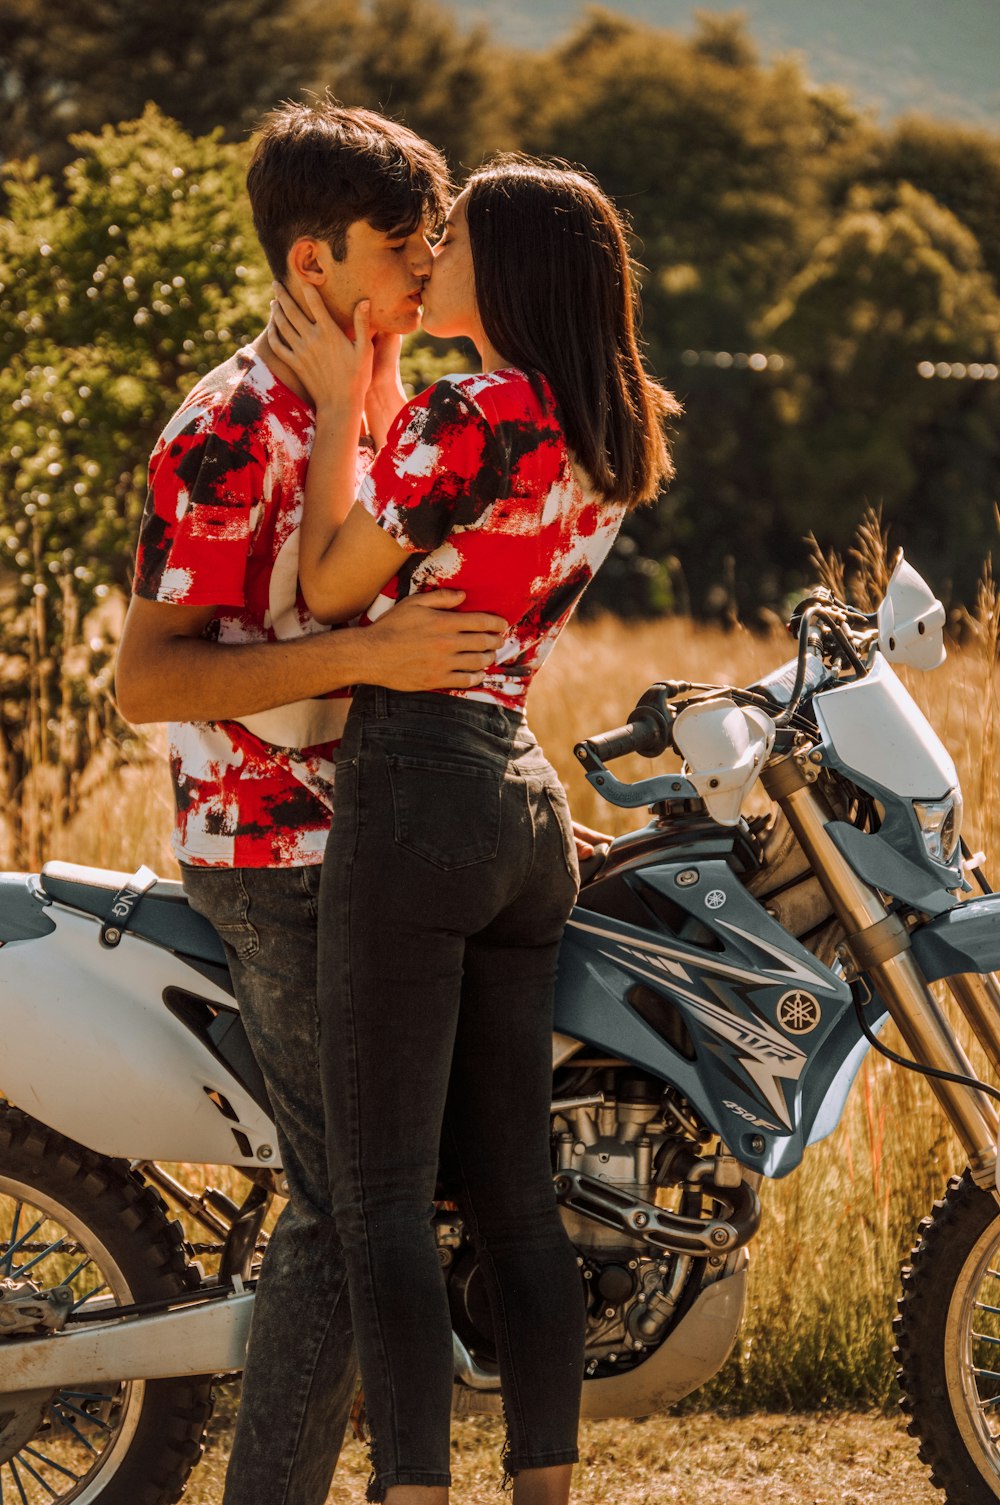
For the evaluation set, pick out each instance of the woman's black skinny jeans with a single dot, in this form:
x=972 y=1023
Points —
x=449 y=877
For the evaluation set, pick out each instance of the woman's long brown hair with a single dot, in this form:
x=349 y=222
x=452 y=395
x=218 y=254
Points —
x=557 y=294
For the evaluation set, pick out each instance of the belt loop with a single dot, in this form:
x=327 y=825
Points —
x=381 y=703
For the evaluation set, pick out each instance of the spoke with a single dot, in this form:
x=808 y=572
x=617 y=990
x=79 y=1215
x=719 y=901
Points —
x=84 y=1299
x=49 y=1249
x=51 y=1463
x=74 y=1273
x=17 y=1480
x=984 y=1405
x=6 y=1259
x=64 y=1421
x=85 y=1415
x=13 y=1248
x=985 y=1338
x=36 y=1475
x=986 y=1374
x=981 y=1306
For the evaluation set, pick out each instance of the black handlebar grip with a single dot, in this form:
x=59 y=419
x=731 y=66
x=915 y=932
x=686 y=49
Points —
x=614 y=744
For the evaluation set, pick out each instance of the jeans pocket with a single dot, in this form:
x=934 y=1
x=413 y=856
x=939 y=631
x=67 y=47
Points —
x=559 y=805
x=234 y=924
x=445 y=811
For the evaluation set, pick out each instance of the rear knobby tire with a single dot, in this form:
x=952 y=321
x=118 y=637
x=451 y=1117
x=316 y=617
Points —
x=948 y=1343
x=156 y=1428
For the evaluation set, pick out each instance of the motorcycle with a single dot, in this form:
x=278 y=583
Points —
x=721 y=980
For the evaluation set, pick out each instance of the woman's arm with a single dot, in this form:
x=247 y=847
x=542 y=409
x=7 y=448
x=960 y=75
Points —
x=359 y=560
x=385 y=395
x=339 y=576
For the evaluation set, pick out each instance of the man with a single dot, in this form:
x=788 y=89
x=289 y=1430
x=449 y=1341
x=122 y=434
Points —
x=219 y=642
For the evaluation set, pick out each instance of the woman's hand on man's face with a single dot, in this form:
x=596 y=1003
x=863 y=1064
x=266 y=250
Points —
x=335 y=369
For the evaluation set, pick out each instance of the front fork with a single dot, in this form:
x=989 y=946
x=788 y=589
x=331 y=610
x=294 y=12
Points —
x=879 y=946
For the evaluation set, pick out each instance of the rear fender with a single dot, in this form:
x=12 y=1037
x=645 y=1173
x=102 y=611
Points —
x=90 y=1048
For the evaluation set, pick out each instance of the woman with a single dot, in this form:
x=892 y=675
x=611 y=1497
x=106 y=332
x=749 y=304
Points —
x=451 y=869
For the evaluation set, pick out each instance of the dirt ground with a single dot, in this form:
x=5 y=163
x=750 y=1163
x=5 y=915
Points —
x=831 y=1459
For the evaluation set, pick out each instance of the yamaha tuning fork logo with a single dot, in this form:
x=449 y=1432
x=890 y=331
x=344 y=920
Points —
x=798 y=1012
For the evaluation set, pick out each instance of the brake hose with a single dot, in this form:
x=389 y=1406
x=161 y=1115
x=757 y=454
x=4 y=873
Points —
x=929 y=1071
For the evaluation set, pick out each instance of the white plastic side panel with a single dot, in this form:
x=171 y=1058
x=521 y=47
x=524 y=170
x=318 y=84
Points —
x=878 y=730
x=89 y=1048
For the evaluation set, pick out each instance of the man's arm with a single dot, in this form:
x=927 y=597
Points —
x=167 y=671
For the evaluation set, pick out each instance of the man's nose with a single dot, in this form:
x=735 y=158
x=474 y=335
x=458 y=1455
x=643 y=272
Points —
x=422 y=258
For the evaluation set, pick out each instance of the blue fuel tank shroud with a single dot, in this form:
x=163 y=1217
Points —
x=773 y=1032
x=964 y=939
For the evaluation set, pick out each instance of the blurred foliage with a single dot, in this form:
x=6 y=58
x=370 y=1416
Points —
x=114 y=294
x=799 y=261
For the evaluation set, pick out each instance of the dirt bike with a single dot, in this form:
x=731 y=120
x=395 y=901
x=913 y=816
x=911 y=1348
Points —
x=721 y=979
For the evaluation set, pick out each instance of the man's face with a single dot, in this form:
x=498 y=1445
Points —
x=389 y=269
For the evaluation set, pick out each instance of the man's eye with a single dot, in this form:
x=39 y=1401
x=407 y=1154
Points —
x=400 y=247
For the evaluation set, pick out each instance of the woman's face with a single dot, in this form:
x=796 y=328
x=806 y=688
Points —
x=450 y=294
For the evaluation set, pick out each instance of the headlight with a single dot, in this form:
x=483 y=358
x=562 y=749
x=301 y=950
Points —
x=940 y=823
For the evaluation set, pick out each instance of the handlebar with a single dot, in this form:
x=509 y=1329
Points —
x=647 y=730
x=617 y=743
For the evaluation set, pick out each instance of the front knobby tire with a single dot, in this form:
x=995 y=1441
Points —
x=948 y=1343
x=105 y=1233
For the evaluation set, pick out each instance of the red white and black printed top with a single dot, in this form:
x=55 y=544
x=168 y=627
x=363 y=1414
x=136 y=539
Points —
x=475 y=480
x=221 y=529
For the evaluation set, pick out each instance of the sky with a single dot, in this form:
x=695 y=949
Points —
x=939 y=57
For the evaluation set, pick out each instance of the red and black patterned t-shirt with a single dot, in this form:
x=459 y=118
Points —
x=476 y=482
x=221 y=529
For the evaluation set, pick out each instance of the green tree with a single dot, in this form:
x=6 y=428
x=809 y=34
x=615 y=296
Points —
x=898 y=282
x=114 y=296
x=84 y=63
x=958 y=165
x=451 y=86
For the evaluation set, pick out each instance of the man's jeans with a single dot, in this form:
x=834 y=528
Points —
x=449 y=876
x=301 y=1372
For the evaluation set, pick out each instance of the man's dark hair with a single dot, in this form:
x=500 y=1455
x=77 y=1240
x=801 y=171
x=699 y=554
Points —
x=316 y=169
x=556 y=294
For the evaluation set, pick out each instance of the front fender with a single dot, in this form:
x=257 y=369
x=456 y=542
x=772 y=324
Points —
x=964 y=939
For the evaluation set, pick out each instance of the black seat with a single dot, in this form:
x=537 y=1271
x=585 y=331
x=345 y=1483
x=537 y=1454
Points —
x=163 y=915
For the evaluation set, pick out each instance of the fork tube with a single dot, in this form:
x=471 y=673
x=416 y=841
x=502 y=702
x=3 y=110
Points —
x=880 y=949
x=978 y=996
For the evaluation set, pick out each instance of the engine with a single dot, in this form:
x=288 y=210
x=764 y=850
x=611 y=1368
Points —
x=641 y=1145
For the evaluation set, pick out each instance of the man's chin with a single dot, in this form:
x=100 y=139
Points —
x=404 y=322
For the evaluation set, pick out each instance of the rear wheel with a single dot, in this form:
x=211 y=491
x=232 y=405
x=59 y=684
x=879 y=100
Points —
x=948 y=1343
x=72 y=1219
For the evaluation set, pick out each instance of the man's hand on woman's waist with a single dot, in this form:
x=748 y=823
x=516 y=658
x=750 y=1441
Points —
x=422 y=643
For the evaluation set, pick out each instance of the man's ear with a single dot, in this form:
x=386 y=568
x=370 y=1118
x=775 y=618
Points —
x=309 y=260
